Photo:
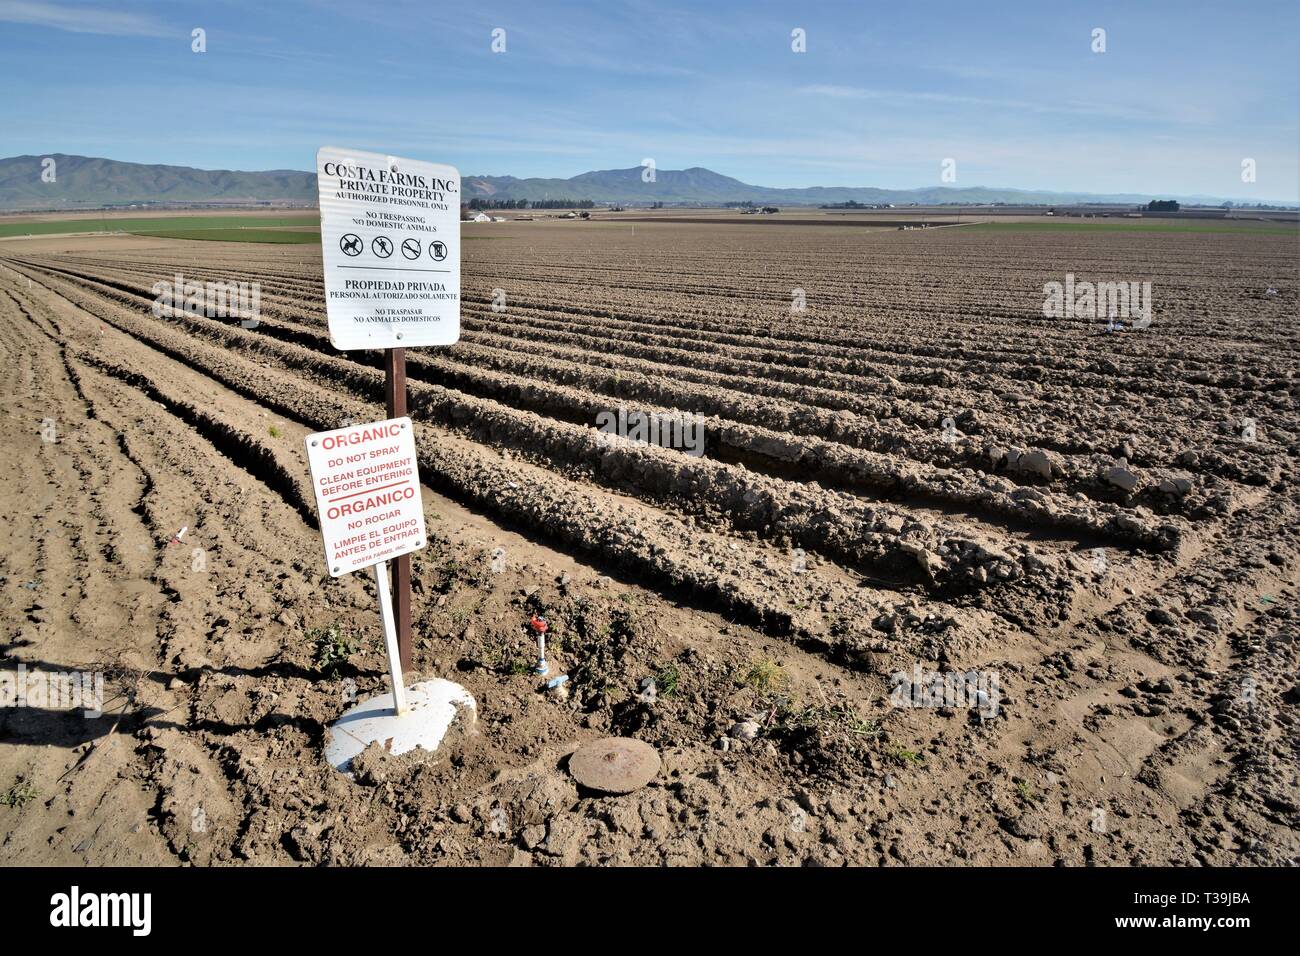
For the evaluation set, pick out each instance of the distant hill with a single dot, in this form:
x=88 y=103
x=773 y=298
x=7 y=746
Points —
x=699 y=185
x=87 y=183
x=84 y=182
x=696 y=185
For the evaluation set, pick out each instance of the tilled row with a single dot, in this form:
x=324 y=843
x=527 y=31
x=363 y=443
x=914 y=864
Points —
x=963 y=273
x=1068 y=425
x=798 y=340
x=1055 y=417
x=783 y=446
x=752 y=581
x=827 y=522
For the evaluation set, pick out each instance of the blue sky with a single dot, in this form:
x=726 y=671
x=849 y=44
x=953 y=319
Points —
x=885 y=92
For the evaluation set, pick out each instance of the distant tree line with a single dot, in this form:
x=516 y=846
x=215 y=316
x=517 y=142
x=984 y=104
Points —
x=854 y=204
x=479 y=203
x=1163 y=205
x=564 y=204
x=498 y=204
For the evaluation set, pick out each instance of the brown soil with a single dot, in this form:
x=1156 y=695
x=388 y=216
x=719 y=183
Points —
x=831 y=535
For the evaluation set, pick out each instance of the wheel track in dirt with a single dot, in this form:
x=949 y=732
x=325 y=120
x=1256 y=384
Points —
x=1145 y=760
x=185 y=480
x=98 y=594
x=106 y=538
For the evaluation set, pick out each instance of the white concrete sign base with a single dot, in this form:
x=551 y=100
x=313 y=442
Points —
x=431 y=708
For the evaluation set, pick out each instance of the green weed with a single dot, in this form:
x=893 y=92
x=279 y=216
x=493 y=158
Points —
x=332 y=648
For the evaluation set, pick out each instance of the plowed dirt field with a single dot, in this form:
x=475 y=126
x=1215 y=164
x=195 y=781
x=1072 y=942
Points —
x=916 y=469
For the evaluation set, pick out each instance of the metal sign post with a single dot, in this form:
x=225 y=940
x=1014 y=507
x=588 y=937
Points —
x=395 y=399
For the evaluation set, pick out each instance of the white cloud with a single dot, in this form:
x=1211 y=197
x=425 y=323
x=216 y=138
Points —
x=905 y=97
x=81 y=19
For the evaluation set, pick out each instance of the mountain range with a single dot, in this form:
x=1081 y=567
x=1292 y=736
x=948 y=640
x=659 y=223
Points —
x=704 y=186
x=84 y=182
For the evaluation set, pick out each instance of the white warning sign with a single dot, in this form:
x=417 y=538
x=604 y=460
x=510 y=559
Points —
x=367 y=484
x=390 y=243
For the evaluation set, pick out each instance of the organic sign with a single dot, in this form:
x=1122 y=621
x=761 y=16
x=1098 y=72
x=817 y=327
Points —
x=367 y=485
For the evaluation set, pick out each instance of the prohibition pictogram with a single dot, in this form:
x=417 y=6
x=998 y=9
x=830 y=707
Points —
x=411 y=248
x=438 y=250
x=350 y=244
x=381 y=246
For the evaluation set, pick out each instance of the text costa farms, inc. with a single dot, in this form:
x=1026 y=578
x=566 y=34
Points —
x=363 y=179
